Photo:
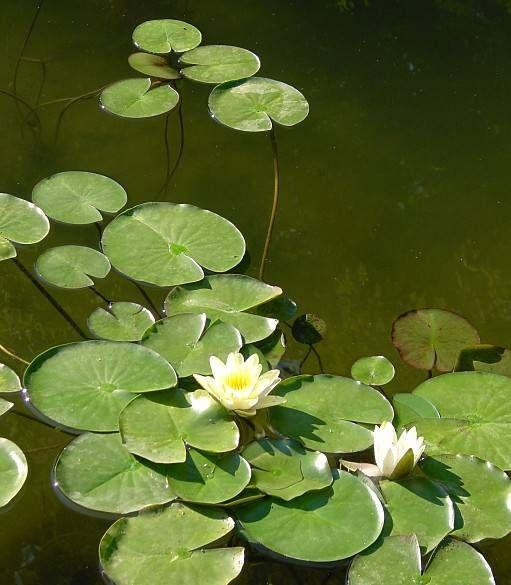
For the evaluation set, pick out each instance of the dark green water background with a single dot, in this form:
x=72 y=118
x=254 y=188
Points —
x=395 y=193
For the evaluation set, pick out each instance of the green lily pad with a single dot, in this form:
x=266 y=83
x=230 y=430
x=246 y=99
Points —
x=209 y=479
x=476 y=416
x=219 y=63
x=324 y=412
x=397 y=561
x=185 y=342
x=283 y=468
x=134 y=98
x=21 y=222
x=85 y=385
x=98 y=473
x=174 y=243
x=164 y=546
x=158 y=426
x=152 y=65
x=481 y=493
x=411 y=407
x=5 y=406
x=78 y=197
x=375 y=370
x=320 y=526
x=120 y=322
x=230 y=298
x=13 y=470
x=9 y=380
x=273 y=347
x=166 y=35
x=432 y=338
x=421 y=506
x=72 y=266
x=252 y=105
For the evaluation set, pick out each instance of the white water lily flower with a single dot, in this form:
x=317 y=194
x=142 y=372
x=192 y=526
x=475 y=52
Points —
x=396 y=457
x=239 y=385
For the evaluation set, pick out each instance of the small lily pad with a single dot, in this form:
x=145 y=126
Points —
x=252 y=105
x=134 y=98
x=412 y=407
x=78 y=197
x=72 y=266
x=9 y=380
x=308 y=329
x=375 y=370
x=120 y=322
x=174 y=243
x=219 y=63
x=13 y=470
x=166 y=35
x=5 y=406
x=152 y=65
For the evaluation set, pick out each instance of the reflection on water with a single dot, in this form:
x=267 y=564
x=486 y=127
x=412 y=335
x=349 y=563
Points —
x=394 y=192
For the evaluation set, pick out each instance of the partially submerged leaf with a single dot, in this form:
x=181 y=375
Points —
x=152 y=65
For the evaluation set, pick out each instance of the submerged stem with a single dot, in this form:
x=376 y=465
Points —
x=33 y=418
x=13 y=355
x=171 y=172
x=148 y=299
x=318 y=357
x=71 y=102
x=99 y=294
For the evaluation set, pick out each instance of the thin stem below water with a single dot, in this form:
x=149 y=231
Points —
x=99 y=294
x=148 y=299
x=13 y=355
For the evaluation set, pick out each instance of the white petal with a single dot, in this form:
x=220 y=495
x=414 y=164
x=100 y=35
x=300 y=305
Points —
x=211 y=385
x=266 y=383
x=234 y=360
x=389 y=462
x=384 y=438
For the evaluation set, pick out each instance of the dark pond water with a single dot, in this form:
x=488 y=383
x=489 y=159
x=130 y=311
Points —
x=395 y=193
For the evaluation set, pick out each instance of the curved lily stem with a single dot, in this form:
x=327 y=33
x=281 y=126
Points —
x=305 y=357
x=20 y=100
x=318 y=357
x=49 y=298
x=148 y=299
x=72 y=98
x=13 y=355
x=275 y=203
x=171 y=172
x=71 y=102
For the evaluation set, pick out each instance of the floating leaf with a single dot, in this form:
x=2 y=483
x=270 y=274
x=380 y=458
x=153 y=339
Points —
x=13 y=470
x=375 y=370
x=187 y=345
x=219 y=63
x=98 y=473
x=323 y=412
x=412 y=407
x=482 y=352
x=78 y=197
x=174 y=242
x=121 y=322
x=9 y=380
x=134 y=98
x=252 y=105
x=283 y=468
x=432 y=338
x=85 y=385
x=309 y=329
x=164 y=36
x=72 y=266
x=7 y=250
x=320 y=526
x=158 y=426
x=5 y=406
x=502 y=367
x=230 y=298
x=152 y=65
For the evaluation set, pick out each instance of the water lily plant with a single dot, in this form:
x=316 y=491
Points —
x=395 y=457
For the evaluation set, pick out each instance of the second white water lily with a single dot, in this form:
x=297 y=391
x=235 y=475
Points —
x=396 y=457
x=239 y=384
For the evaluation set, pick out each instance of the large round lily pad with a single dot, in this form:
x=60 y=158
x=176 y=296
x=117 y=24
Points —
x=98 y=473
x=432 y=338
x=158 y=426
x=164 y=546
x=329 y=413
x=152 y=65
x=85 y=385
x=9 y=380
x=231 y=298
x=174 y=243
x=166 y=35
x=254 y=104
x=78 y=196
x=373 y=370
x=476 y=416
x=185 y=342
x=13 y=470
x=120 y=322
x=219 y=64
x=135 y=98
x=72 y=266
x=321 y=526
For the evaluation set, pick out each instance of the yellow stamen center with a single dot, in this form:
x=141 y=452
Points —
x=238 y=380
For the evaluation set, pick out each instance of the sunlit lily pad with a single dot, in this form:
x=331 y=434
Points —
x=152 y=65
x=411 y=407
x=320 y=526
x=13 y=470
x=185 y=342
x=374 y=370
x=432 y=338
x=5 y=406
x=9 y=380
x=219 y=63
x=231 y=298
x=98 y=473
x=166 y=35
x=85 y=385
x=78 y=196
x=120 y=322
x=164 y=546
x=254 y=104
x=134 y=98
x=324 y=412
x=174 y=243
x=476 y=416
x=158 y=426
x=72 y=266
x=283 y=468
